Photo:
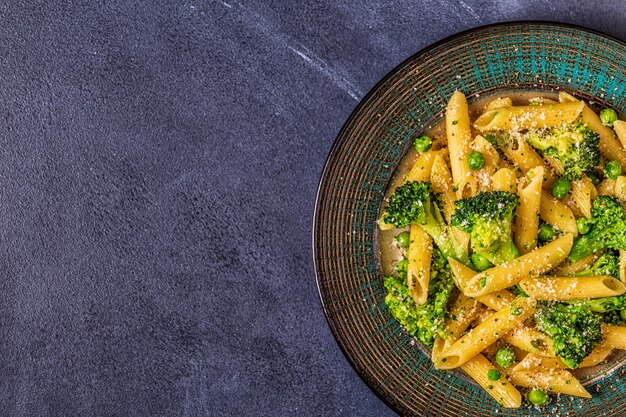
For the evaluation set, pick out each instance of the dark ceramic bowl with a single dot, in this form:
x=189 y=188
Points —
x=498 y=58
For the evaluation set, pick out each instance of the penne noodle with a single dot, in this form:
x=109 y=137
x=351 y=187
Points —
x=570 y=268
x=504 y=180
x=486 y=333
x=554 y=212
x=533 y=361
x=526 y=226
x=510 y=273
x=499 y=103
x=551 y=380
x=459 y=136
x=528 y=117
x=531 y=340
x=619 y=189
x=462 y=313
x=606 y=187
x=441 y=181
x=619 y=126
x=526 y=158
x=609 y=146
x=582 y=194
x=614 y=336
x=418 y=270
x=462 y=275
x=502 y=390
x=572 y=288
x=542 y=100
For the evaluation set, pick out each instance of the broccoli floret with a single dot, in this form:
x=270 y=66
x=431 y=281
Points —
x=414 y=203
x=607 y=228
x=607 y=264
x=426 y=321
x=488 y=218
x=574 y=329
x=574 y=146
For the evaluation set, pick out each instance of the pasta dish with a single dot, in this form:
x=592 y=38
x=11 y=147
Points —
x=503 y=242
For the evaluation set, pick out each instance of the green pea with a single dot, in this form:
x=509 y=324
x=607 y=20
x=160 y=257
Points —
x=583 y=226
x=493 y=375
x=480 y=262
x=560 y=188
x=423 y=143
x=608 y=117
x=612 y=169
x=595 y=180
x=537 y=397
x=505 y=357
x=475 y=160
x=403 y=239
x=546 y=232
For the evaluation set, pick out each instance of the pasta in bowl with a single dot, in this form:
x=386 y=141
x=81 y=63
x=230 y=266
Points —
x=503 y=238
x=357 y=264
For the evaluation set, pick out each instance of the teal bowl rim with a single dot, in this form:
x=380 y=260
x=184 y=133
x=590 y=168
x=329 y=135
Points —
x=363 y=101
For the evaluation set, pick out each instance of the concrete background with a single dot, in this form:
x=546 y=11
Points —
x=158 y=168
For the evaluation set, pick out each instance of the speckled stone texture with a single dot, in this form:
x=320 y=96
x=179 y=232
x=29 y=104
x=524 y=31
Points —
x=158 y=168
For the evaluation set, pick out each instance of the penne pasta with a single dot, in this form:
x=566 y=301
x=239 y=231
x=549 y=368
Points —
x=570 y=268
x=607 y=187
x=418 y=270
x=488 y=332
x=441 y=181
x=619 y=189
x=504 y=180
x=526 y=158
x=558 y=381
x=518 y=118
x=619 y=126
x=499 y=103
x=572 y=288
x=614 y=336
x=502 y=390
x=622 y=265
x=462 y=275
x=533 y=361
x=459 y=136
x=462 y=313
x=510 y=273
x=526 y=226
x=554 y=212
x=529 y=339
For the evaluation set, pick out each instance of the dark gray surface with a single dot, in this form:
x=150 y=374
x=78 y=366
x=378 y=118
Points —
x=158 y=167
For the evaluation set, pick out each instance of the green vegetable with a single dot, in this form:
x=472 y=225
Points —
x=426 y=322
x=606 y=264
x=583 y=226
x=574 y=146
x=475 y=160
x=612 y=170
x=575 y=330
x=493 y=375
x=607 y=228
x=414 y=203
x=561 y=188
x=537 y=397
x=402 y=267
x=608 y=116
x=505 y=357
x=488 y=218
x=480 y=262
x=546 y=232
x=403 y=239
x=595 y=180
x=423 y=143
